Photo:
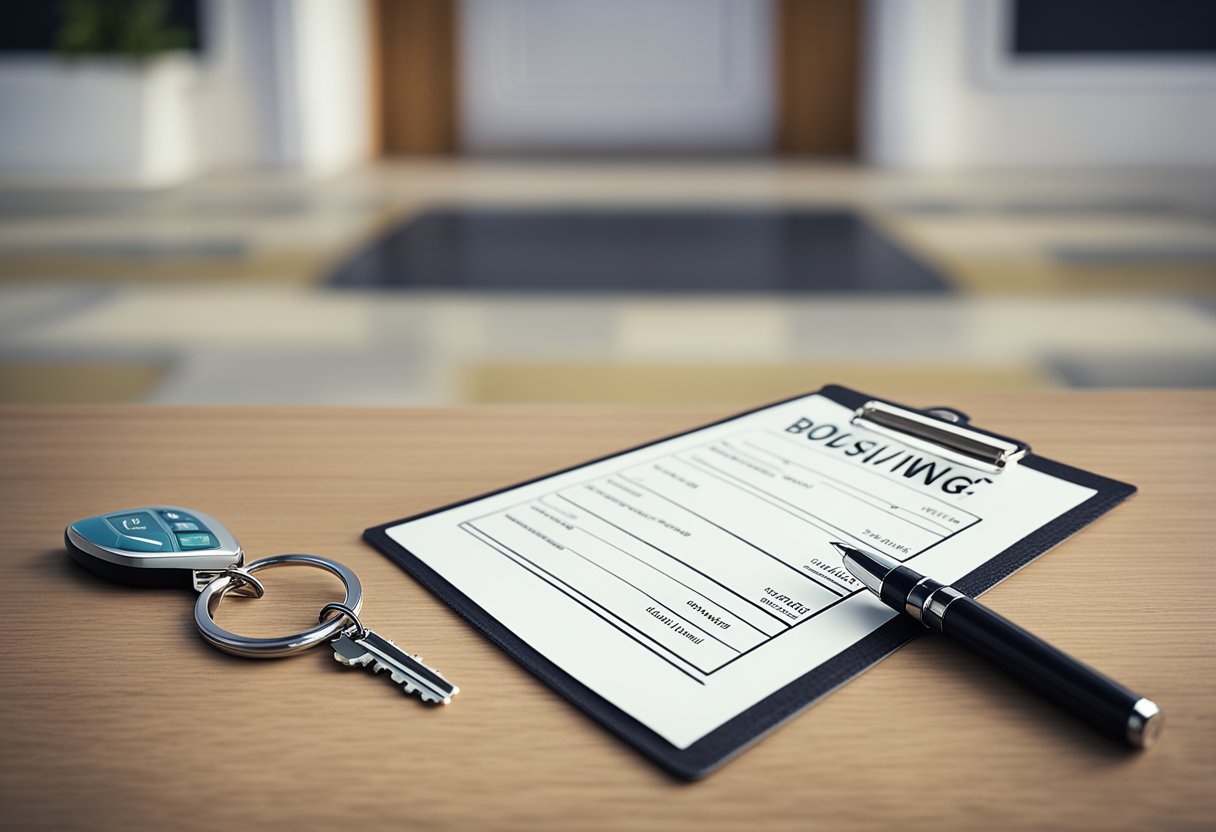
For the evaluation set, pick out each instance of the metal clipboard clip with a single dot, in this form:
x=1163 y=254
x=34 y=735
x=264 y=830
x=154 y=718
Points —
x=943 y=432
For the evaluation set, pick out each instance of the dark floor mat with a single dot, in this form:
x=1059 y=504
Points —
x=646 y=250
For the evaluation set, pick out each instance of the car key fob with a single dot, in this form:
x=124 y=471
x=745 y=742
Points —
x=154 y=546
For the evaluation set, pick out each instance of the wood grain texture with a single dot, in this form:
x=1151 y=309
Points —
x=416 y=59
x=818 y=76
x=116 y=715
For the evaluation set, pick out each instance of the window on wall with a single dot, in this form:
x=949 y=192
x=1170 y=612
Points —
x=34 y=27
x=1055 y=28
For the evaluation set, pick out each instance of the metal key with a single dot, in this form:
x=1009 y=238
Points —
x=367 y=649
x=372 y=650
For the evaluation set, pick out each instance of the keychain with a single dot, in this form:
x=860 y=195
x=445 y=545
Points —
x=171 y=546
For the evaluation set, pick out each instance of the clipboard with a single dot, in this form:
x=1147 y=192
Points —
x=944 y=432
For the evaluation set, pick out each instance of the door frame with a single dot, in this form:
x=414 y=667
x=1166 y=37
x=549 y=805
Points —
x=416 y=57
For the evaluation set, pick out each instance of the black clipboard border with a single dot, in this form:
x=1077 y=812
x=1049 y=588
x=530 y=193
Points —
x=740 y=732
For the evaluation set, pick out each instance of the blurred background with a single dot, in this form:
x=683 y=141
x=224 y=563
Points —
x=666 y=201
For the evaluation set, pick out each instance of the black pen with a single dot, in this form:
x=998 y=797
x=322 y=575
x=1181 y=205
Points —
x=1108 y=706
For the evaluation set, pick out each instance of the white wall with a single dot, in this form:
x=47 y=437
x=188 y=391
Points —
x=588 y=75
x=222 y=104
x=323 y=83
x=101 y=122
x=938 y=95
x=288 y=85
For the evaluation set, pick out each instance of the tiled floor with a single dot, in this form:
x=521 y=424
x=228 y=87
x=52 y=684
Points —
x=214 y=292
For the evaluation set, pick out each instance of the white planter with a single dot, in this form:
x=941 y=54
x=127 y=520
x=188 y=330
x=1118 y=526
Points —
x=96 y=120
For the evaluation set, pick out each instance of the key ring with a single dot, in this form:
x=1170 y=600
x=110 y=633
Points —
x=264 y=648
x=358 y=631
x=164 y=545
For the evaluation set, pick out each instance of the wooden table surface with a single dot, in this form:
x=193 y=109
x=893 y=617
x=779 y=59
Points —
x=116 y=715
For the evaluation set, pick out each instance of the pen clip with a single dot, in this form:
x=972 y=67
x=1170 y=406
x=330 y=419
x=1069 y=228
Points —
x=942 y=432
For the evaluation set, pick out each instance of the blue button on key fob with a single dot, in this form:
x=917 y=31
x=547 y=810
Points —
x=153 y=546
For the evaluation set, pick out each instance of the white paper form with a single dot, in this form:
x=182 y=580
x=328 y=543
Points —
x=688 y=580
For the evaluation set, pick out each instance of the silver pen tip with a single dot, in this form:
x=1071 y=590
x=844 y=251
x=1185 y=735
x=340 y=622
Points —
x=1144 y=724
x=867 y=567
